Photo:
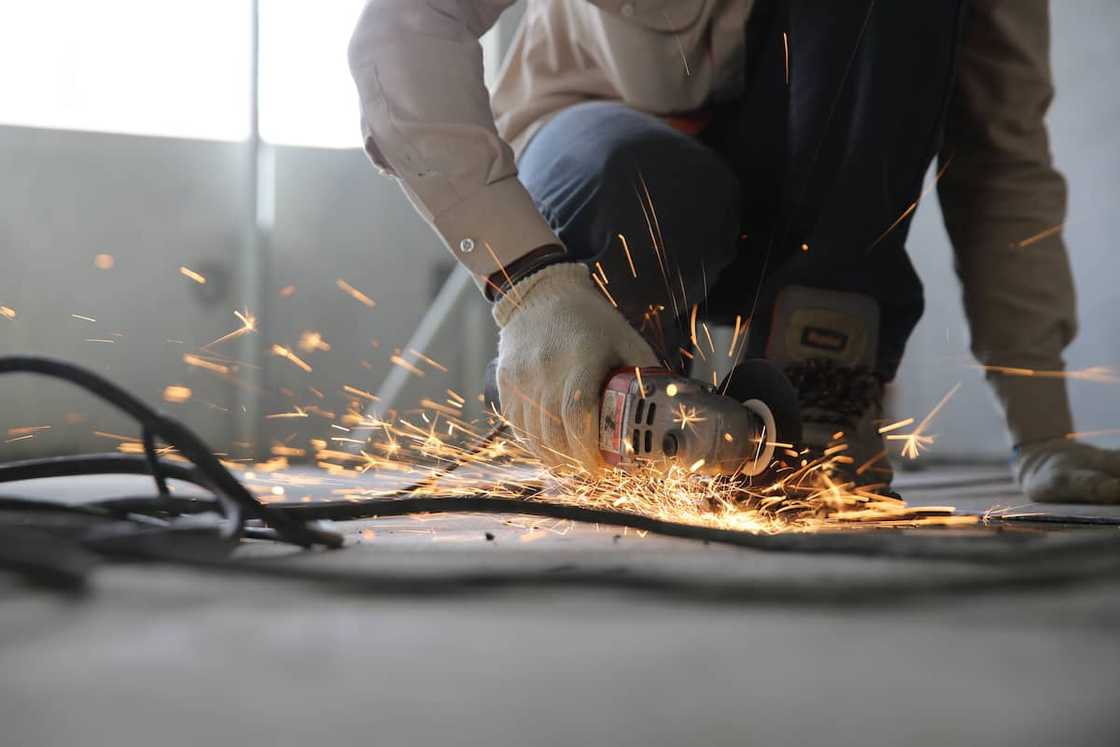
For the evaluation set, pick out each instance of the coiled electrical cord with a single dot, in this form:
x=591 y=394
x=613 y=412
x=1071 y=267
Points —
x=237 y=503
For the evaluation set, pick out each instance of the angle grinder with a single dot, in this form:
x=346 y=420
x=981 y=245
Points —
x=653 y=415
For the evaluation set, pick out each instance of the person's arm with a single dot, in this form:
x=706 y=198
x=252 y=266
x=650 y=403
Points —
x=1004 y=204
x=426 y=120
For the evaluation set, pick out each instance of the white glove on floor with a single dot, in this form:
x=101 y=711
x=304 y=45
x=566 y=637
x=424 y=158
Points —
x=1063 y=471
x=559 y=339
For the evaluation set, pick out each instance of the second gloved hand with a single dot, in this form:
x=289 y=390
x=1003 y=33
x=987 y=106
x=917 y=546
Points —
x=559 y=339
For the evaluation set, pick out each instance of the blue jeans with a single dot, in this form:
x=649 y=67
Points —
x=806 y=183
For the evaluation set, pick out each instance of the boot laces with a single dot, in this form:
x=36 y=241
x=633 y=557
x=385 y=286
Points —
x=832 y=393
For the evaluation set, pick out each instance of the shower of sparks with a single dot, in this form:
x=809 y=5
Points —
x=248 y=324
x=191 y=274
x=282 y=352
x=176 y=394
x=309 y=342
x=7 y=312
x=354 y=293
x=811 y=497
x=440 y=448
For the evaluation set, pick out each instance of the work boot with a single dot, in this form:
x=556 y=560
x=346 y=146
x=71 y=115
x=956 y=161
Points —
x=827 y=343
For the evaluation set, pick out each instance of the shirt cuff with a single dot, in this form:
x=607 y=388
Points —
x=494 y=227
x=1036 y=408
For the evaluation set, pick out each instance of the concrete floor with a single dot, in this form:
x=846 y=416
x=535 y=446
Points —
x=914 y=652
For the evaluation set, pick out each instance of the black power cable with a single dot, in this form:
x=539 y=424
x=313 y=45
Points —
x=237 y=502
x=164 y=541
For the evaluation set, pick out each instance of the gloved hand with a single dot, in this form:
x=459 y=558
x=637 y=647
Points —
x=559 y=339
x=1063 y=471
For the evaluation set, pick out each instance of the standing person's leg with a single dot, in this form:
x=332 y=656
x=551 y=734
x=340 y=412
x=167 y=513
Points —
x=652 y=207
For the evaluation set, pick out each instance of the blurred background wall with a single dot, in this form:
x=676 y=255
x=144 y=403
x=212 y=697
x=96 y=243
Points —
x=125 y=132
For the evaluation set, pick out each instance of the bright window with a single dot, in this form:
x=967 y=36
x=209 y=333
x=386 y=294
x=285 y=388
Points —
x=146 y=67
x=307 y=94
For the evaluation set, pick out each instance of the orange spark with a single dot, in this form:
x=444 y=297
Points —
x=176 y=394
x=428 y=360
x=282 y=352
x=685 y=417
x=104 y=261
x=629 y=259
x=603 y=288
x=24 y=430
x=309 y=342
x=297 y=413
x=189 y=273
x=359 y=392
x=248 y=324
x=896 y=426
x=199 y=362
x=396 y=360
x=1098 y=374
x=354 y=293
x=916 y=440
x=287 y=451
x=913 y=205
x=785 y=47
x=1043 y=234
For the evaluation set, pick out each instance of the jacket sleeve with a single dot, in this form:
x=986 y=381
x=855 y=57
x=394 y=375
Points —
x=426 y=120
x=1004 y=205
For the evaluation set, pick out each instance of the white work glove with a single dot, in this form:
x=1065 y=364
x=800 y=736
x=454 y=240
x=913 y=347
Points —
x=559 y=339
x=1063 y=471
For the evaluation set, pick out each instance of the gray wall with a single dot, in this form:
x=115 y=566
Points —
x=1086 y=145
x=154 y=204
x=158 y=203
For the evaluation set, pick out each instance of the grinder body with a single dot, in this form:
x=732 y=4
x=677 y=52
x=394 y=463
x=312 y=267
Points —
x=652 y=415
